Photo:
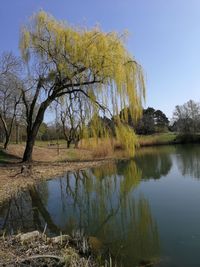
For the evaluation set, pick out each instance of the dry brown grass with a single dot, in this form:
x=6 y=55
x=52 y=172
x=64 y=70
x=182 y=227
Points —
x=100 y=148
x=103 y=148
x=50 y=154
x=42 y=251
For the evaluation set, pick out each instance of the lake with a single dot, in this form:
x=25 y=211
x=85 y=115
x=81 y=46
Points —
x=137 y=211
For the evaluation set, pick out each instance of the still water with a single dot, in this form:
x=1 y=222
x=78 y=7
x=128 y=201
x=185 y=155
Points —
x=147 y=210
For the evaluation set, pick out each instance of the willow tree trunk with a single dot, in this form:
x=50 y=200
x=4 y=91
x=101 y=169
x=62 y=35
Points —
x=30 y=141
x=32 y=131
x=29 y=147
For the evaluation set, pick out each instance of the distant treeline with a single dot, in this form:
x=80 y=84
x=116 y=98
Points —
x=186 y=120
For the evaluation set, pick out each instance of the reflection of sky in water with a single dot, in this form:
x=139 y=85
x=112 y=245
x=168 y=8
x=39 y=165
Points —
x=138 y=214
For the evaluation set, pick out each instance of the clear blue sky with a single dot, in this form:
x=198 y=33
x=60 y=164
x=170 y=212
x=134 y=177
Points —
x=164 y=38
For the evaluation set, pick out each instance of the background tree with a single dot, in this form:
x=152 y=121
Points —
x=64 y=60
x=9 y=64
x=161 y=121
x=42 y=131
x=151 y=121
x=146 y=125
x=187 y=117
x=50 y=132
x=10 y=95
x=73 y=117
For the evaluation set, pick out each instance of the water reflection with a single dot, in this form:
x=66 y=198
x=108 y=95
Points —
x=100 y=202
x=27 y=211
x=155 y=161
x=188 y=160
x=17 y=213
x=134 y=213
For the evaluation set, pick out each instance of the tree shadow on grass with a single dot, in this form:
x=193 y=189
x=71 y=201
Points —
x=6 y=158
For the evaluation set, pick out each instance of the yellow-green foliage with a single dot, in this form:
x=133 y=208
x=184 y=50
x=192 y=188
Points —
x=127 y=138
x=108 y=169
x=133 y=177
x=79 y=55
x=101 y=147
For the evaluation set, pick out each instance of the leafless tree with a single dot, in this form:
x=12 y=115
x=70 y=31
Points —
x=10 y=93
x=187 y=117
x=9 y=63
x=73 y=117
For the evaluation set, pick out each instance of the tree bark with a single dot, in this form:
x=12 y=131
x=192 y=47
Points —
x=5 y=127
x=17 y=133
x=6 y=141
x=76 y=142
x=32 y=131
x=29 y=148
x=68 y=143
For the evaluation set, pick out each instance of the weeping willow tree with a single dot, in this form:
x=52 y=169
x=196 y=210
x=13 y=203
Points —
x=63 y=60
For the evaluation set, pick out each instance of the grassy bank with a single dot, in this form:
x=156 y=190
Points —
x=168 y=139
x=157 y=139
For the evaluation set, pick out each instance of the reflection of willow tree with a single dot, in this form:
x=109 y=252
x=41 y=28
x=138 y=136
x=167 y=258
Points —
x=154 y=162
x=104 y=206
x=188 y=159
x=27 y=211
x=140 y=233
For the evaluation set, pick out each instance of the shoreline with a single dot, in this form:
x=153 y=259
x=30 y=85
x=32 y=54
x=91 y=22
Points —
x=38 y=249
x=11 y=174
